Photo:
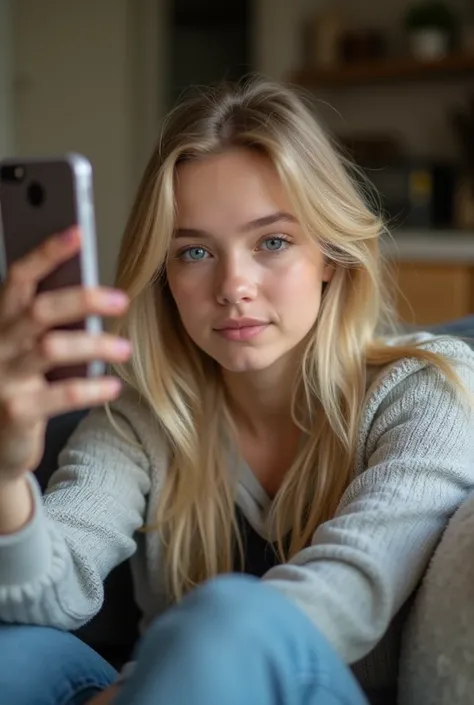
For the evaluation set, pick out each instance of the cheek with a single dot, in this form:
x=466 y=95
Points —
x=298 y=285
x=181 y=289
x=188 y=290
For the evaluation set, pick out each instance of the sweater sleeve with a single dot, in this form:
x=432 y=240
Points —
x=52 y=570
x=364 y=563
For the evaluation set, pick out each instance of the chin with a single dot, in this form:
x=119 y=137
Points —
x=245 y=362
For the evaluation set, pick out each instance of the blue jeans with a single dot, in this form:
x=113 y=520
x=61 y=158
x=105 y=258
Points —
x=233 y=641
x=43 y=666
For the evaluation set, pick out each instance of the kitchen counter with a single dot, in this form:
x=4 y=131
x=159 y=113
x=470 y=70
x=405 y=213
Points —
x=430 y=246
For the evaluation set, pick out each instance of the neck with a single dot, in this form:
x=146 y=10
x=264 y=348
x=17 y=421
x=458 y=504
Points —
x=261 y=401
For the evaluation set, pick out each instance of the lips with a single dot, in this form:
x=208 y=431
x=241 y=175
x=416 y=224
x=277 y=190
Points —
x=241 y=329
x=236 y=323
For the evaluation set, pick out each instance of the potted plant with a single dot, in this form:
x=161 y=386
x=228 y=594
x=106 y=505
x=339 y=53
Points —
x=430 y=24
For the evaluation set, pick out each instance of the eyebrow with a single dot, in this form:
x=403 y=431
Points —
x=266 y=220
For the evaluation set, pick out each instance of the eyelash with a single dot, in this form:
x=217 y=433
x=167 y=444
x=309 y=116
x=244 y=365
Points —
x=284 y=238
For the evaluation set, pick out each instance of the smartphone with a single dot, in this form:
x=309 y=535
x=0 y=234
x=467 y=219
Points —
x=41 y=197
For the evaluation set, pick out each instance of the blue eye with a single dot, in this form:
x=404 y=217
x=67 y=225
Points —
x=275 y=244
x=193 y=254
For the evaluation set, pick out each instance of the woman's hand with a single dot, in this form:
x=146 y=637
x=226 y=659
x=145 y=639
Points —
x=105 y=697
x=29 y=347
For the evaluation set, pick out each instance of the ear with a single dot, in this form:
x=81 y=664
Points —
x=328 y=272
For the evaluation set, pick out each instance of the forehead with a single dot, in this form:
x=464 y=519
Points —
x=227 y=189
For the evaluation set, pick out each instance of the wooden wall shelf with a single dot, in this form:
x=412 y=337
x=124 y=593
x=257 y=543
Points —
x=386 y=71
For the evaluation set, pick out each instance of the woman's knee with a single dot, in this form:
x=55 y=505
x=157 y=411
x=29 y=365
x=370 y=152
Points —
x=45 y=666
x=227 y=612
x=220 y=607
x=227 y=596
x=237 y=624
x=228 y=600
x=234 y=598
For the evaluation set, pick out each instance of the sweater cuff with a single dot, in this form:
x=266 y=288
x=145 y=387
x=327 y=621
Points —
x=26 y=554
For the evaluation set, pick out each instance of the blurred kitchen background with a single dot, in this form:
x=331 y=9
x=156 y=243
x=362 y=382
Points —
x=392 y=80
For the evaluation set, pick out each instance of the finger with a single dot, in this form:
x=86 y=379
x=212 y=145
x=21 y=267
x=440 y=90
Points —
x=59 y=398
x=57 y=308
x=72 y=304
x=25 y=274
x=59 y=349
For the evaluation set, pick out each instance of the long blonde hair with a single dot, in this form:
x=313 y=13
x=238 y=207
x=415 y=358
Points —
x=182 y=386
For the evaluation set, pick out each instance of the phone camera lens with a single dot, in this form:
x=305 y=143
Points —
x=36 y=194
x=12 y=173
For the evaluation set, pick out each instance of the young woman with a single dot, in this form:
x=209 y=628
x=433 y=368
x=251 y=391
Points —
x=261 y=400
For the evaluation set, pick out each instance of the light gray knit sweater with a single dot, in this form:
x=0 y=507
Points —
x=414 y=466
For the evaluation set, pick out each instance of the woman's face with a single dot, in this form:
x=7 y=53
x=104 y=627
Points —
x=246 y=281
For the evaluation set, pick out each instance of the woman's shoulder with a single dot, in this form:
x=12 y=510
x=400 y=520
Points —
x=410 y=404
x=405 y=371
x=448 y=345
x=414 y=391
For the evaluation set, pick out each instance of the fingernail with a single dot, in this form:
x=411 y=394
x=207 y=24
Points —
x=68 y=235
x=114 y=385
x=123 y=346
x=117 y=298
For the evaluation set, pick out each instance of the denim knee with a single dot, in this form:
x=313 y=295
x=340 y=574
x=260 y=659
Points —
x=237 y=639
x=225 y=613
x=229 y=602
x=47 y=666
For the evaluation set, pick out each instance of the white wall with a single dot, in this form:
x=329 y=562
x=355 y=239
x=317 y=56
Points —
x=419 y=112
x=6 y=98
x=87 y=79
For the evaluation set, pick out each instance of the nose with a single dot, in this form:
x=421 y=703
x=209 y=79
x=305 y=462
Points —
x=235 y=284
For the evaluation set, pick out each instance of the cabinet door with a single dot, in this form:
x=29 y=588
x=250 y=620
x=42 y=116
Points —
x=432 y=293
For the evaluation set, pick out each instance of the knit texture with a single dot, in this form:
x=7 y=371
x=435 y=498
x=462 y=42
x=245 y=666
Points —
x=413 y=468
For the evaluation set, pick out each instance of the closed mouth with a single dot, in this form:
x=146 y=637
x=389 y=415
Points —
x=232 y=324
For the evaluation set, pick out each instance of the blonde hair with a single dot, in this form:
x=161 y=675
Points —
x=182 y=386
